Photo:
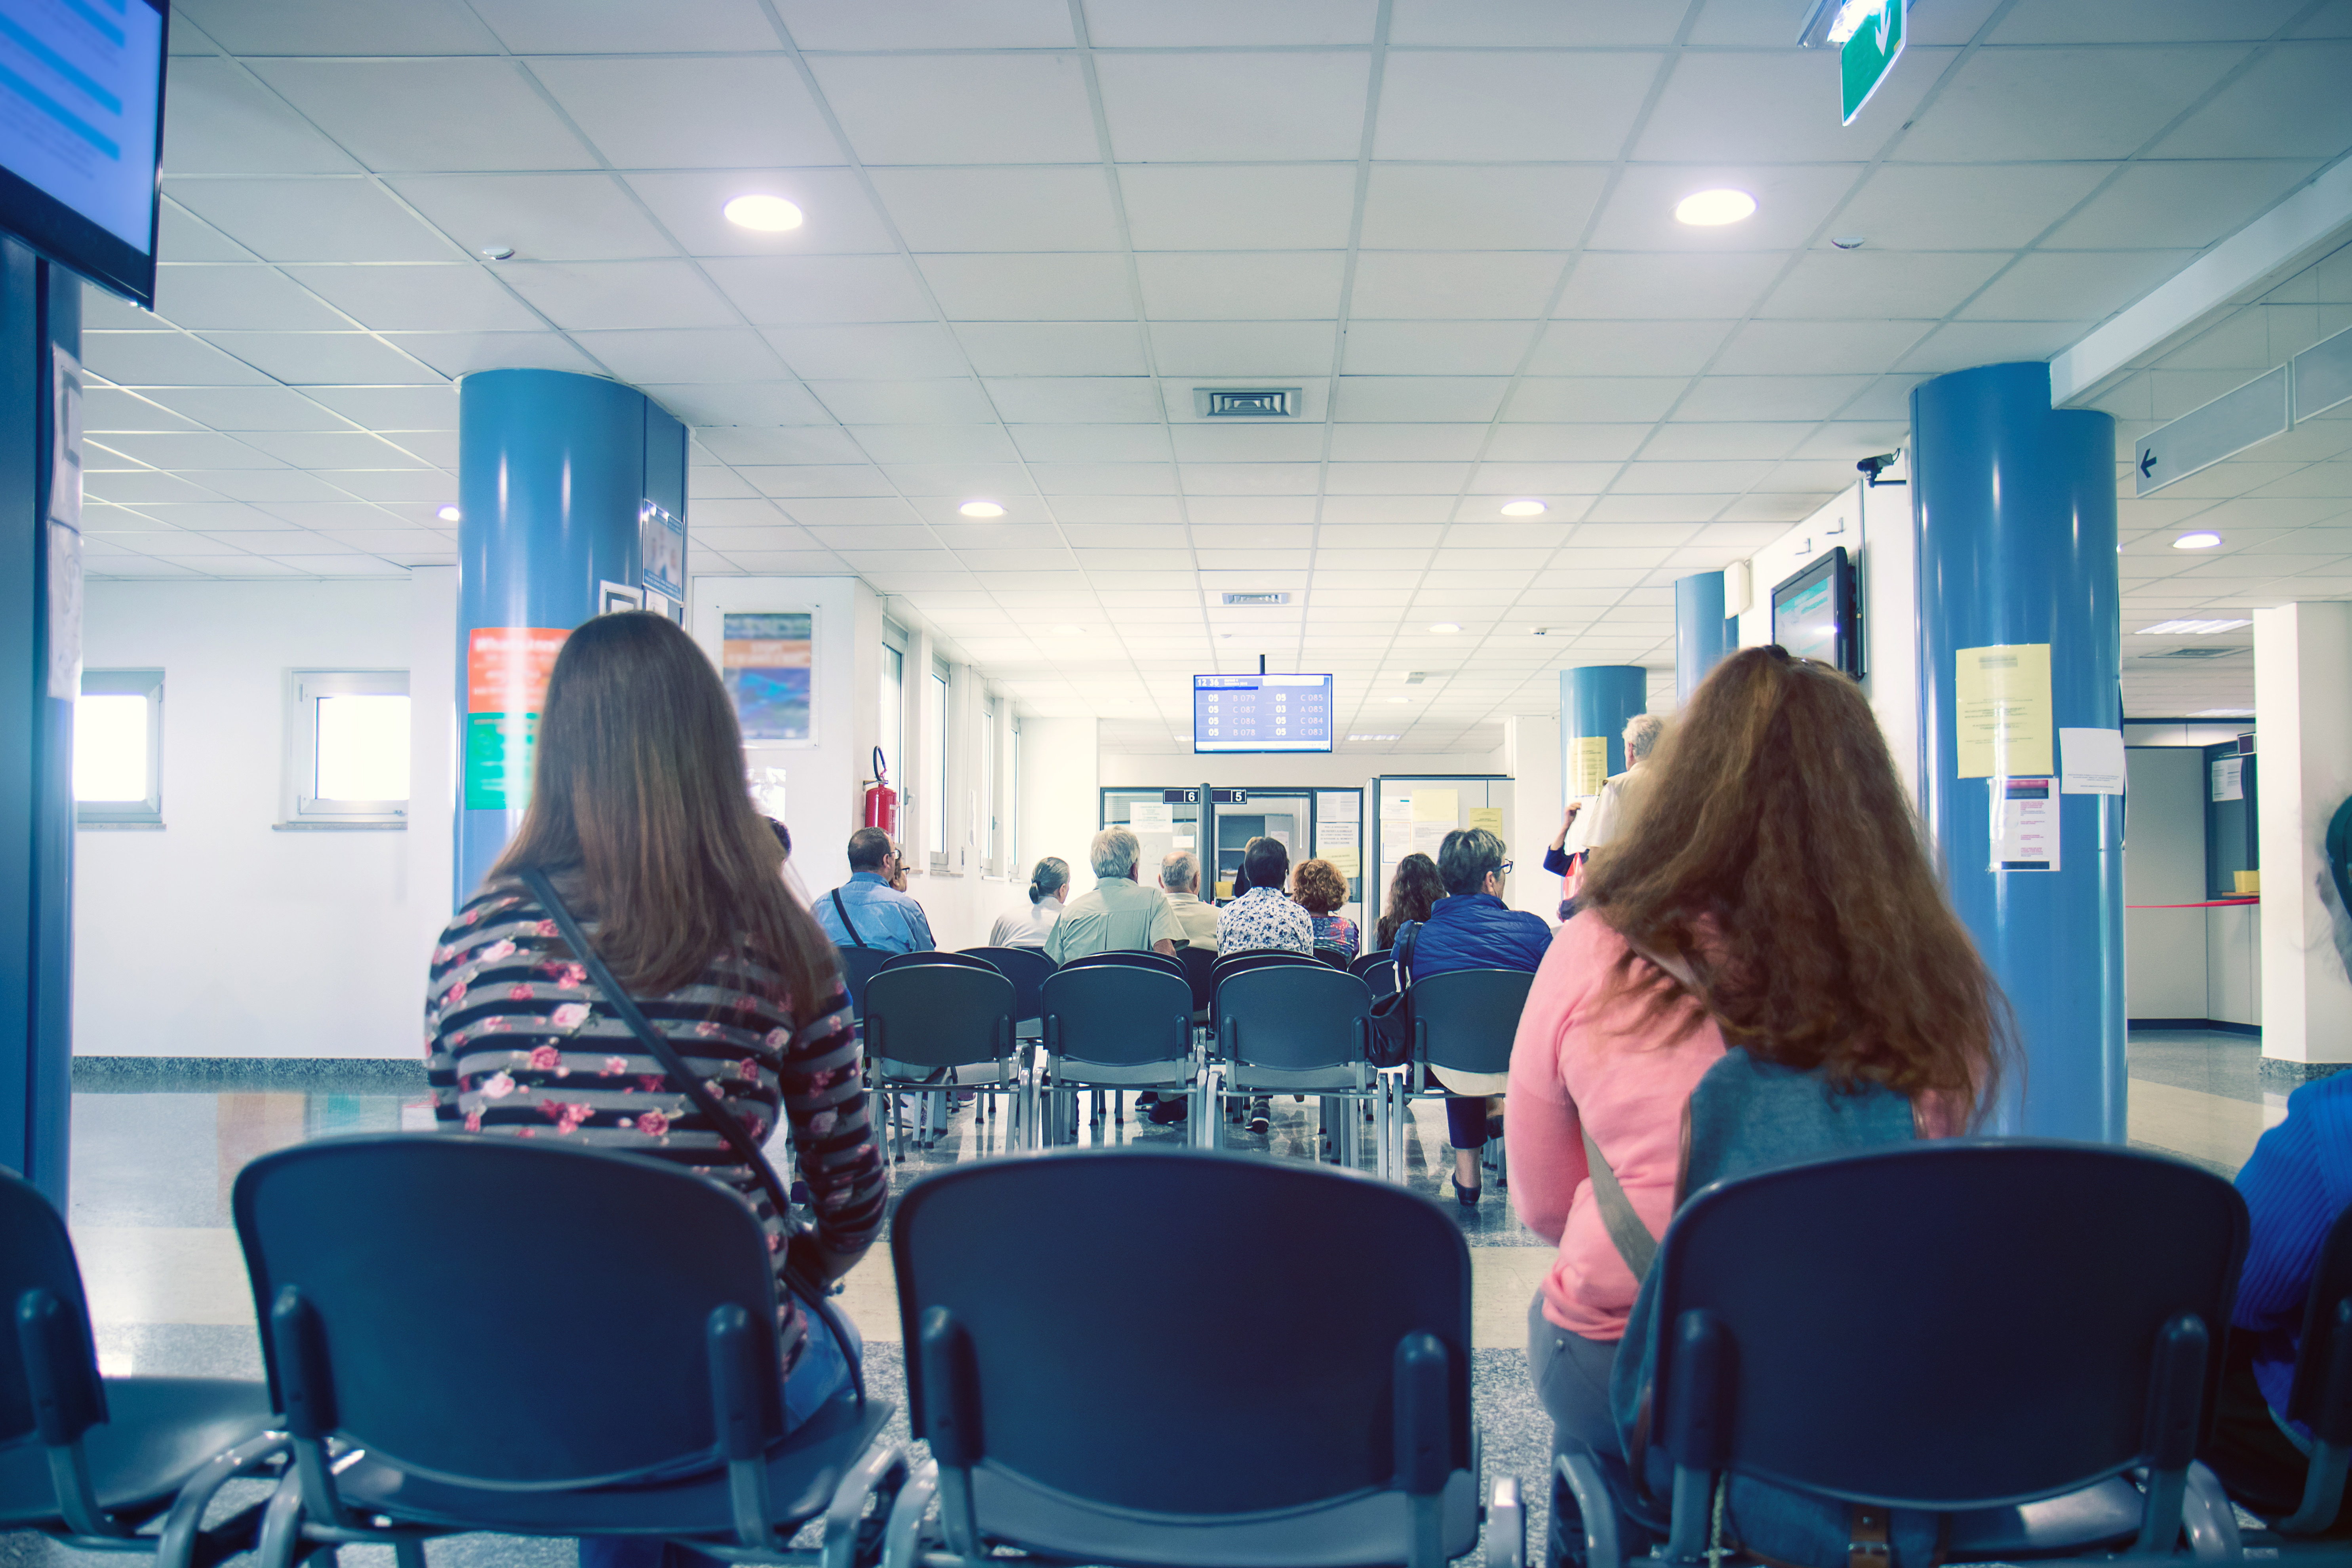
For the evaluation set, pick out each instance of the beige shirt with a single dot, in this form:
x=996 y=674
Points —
x=1198 y=919
x=1619 y=799
x=1116 y=915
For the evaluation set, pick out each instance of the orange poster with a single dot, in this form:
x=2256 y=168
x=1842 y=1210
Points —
x=506 y=667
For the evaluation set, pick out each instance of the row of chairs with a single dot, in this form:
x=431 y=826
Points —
x=1272 y=1022
x=1929 y=1327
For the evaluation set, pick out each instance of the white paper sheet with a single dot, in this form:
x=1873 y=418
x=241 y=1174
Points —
x=2093 y=761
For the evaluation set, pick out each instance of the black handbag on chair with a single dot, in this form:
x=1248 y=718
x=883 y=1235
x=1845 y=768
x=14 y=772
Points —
x=1390 y=1044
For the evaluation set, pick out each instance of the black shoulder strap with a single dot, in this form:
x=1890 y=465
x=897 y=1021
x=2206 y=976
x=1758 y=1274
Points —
x=843 y=910
x=691 y=1084
x=1405 y=938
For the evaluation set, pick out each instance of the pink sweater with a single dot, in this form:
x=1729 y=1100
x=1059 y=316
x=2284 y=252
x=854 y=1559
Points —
x=1583 y=1058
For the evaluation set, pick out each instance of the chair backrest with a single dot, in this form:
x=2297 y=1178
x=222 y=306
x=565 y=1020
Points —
x=940 y=1015
x=1366 y=961
x=1380 y=977
x=1026 y=967
x=934 y=955
x=37 y=1255
x=1038 y=1353
x=2325 y=1352
x=1199 y=964
x=1335 y=957
x=1256 y=959
x=1128 y=957
x=1872 y=1327
x=364 y=1264
x=1117 y=1014
x=858 y=965
x=1465 y=1020
x=1294 y=1017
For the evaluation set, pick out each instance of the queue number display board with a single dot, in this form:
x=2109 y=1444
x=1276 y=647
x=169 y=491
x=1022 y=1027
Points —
x=1261 y=713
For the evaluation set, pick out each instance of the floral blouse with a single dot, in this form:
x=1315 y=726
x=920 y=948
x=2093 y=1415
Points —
x=1339 y=932
x=520 y=1042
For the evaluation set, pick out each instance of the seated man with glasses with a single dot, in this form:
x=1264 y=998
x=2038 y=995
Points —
x=868 y=910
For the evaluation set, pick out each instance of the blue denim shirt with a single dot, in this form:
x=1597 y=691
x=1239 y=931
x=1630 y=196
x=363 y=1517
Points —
x=883 y=916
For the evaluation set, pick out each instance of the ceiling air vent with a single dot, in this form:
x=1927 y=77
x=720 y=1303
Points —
x=2207 y=653
x=1245 y=403
x=1257 y=599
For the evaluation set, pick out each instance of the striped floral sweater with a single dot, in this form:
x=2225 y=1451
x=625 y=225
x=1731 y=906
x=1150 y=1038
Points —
x=520 y=1042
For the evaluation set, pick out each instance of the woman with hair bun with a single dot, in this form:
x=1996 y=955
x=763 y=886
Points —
x=1049 y=889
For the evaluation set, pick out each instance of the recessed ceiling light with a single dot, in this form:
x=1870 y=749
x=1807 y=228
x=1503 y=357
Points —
x=980 y=509
x=2189 y=628
x=1523 y=508
x=1445 y=627
x=769 y=214
x=447 y=514
x=2199 y=540
x=1711 y=209
x=498 y=252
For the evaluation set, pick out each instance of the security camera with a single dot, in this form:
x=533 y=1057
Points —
x=1871 y=467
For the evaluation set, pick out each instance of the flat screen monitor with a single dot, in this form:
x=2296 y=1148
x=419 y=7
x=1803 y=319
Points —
x=81 y=133
x=1813 y=612
x=1261 y=713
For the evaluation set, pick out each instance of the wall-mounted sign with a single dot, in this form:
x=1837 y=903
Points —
x=1868 y=56
x=768 y=661
x=661 y=548
x=506 y=669
x=2025 y=826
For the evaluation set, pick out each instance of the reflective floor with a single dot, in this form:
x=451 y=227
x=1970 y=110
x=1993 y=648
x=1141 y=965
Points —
x=154 y=1161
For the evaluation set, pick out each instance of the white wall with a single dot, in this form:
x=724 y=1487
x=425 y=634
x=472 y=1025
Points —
x=1062 y=778
x=1531 y=756
x=2164 y=862
x=2234 y=965
x=220 y=936
x=2302 y=689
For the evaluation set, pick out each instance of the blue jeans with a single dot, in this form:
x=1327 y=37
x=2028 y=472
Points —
x=822 y=1374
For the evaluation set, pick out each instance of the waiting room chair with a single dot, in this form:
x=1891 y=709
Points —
x=1026 y=967
x=603 y=1365
x=934 y=956
x=934 y=1026
x=91 y=1461
x=1996 y=1332
x=1230 y=964
x=1299 y=1028
x=858 y=966
x=1463 y=1021
x=1335 y=957
x=1140 y=958
x=2321 y=1394
x=1364 y=961
x=1199 y=962
x=1115 y=1028
x=1338 y=1438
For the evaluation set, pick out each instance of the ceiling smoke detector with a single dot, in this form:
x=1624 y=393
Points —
x=1257 y=599
x=1245 y=403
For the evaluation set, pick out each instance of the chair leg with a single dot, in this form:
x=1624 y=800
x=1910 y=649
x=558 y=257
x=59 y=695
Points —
x=1506 y=1525
x=281 y=1540
x=407 y=1552
x=1577 y=1476
x=2209 y=1521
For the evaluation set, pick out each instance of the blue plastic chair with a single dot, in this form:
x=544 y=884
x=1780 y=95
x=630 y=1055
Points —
x=628 y=1386
x=1463 y=1021
x=1134 y=957
x=1338 y=1439
x=1295 y=1027
x=89 y=1459
x=946 y=1022
x=1027 y=968
x=1992 y=1331
x=1115 y=1028
x=859 y=965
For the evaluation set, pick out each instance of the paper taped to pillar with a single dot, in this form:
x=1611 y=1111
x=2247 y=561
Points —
x=506 y=669
x=767 y=662
x=2025 y=826
x=1589 y=766
x=2003 y=729
x=2093 y=761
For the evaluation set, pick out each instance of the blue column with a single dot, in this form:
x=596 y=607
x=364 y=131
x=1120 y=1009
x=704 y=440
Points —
x=1595 y=701
x=2015 y=507
x=1702 y=635
x=555 y=474
x=40 y=311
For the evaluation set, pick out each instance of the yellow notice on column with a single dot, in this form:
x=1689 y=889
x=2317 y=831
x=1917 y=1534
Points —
x=2003 y=723
x=1488 y=816
x=1588 y=765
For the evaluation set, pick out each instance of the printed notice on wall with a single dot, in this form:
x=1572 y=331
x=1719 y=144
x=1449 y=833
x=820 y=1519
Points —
x=505 y=684
x=1588 y=765
x=2003 y=722
x=2229 y=779
x=2025 y=825
x=2093 y=761
x=1435 y=814
x=1488 y=816
x=64 y=527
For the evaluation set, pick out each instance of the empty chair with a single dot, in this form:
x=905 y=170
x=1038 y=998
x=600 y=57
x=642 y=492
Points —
x=1294 y=1028
x=2016 y=1363
x=1128 y=957
x=931 y=1025
x=1363 y=962
x=1463 y=1021
x=1380 y=975
x=1335 y=957
x=1026 y=967
x=90 y=1460
x=1230 y=964
x=1270 y=1441
x=2321 y=1394
x=656 y=1275
x=1116 y=1027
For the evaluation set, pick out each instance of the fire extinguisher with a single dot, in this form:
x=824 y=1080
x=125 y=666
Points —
x=881 y=800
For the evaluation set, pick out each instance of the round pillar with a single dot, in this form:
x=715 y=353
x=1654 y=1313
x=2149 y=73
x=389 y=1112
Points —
x=1702 y=635
x=2014 y=503
x=1595 y=701
x=561 y=477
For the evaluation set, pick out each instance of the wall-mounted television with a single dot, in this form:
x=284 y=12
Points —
x=81 y=134
x=1815 y=613
x=1261 y=713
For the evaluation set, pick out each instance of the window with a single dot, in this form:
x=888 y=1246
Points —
x=1012 y=818
x=118 y=748
x=987 y=801
x=348 y=749
x=892 y=734
x=935 y=771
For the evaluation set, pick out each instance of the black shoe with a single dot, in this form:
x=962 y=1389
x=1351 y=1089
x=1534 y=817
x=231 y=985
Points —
x=1165 y=1112
x=1467 y=1196
x=1261 y=1116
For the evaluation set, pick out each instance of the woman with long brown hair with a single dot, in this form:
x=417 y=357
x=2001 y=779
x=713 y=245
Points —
x=639 y=818
x=1413 y=891
x=1770 y=895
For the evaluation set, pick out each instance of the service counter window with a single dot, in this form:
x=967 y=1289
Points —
x=118 y=749
x=347 y=748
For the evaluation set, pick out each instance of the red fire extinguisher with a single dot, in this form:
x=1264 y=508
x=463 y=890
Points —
x=881 y=800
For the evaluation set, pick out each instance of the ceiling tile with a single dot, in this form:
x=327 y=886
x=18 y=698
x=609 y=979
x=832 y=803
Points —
x=218 y=120
x=207 y=296
x=1497 y=207
x=1962 y=345
x=717 y=355
x=2178 y=205
x=1029 y=287
x=790 y=290
x=1139 y=23
x=331 y=449
x=2290 y=104
x=1673 y=288
x=935 y=442
x=1233 y=350
x=960 y=109
x=1724 y=105
x=1053 y=348
x=1076 y=399
x=1627 y=347
x=1482 y=106
x=1843 y=285
x=1406 y=443
x=462 y=353
x=1443 y=398
x=908 y=350
x=1266 y=286
x=434 y=114
x=932 y=401
x=341 y=26
x=1769 y=397
x=1483 y=285
x=1807 y=348
x=1438 y=348
x=2040 y=104
x=929 y=25
x=618 y=294
x=738 y=110
x=561 y=27
x=1581 y=442
x=446 y=296
x=1546 y=397
x=1100 y=484
x=324 y=359
x=1754 y=438
x=1225 y=104
x=1993 y=206
x=785 y=444
x=1001 y=209
x=311 y=220
x=1098 y=442
x=1207 y=207
x=2074 y=286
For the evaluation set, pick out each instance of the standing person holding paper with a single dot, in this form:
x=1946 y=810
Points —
x=1621 y=794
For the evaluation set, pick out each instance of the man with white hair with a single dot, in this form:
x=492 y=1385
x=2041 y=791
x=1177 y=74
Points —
x=1119 y=913
x=1619 y=795
x=1180 y=881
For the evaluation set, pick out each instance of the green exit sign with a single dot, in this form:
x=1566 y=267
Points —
x=1865 y=58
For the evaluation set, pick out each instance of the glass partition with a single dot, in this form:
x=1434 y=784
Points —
x=1414 y=814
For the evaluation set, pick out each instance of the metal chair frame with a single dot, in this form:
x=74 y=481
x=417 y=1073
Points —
x=970 y=985
x=1067 y=1029
x=1343 y=1072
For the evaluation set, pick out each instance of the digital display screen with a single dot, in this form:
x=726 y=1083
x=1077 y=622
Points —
x=82 y=100
x=1261 y=713
x=1804 y=618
